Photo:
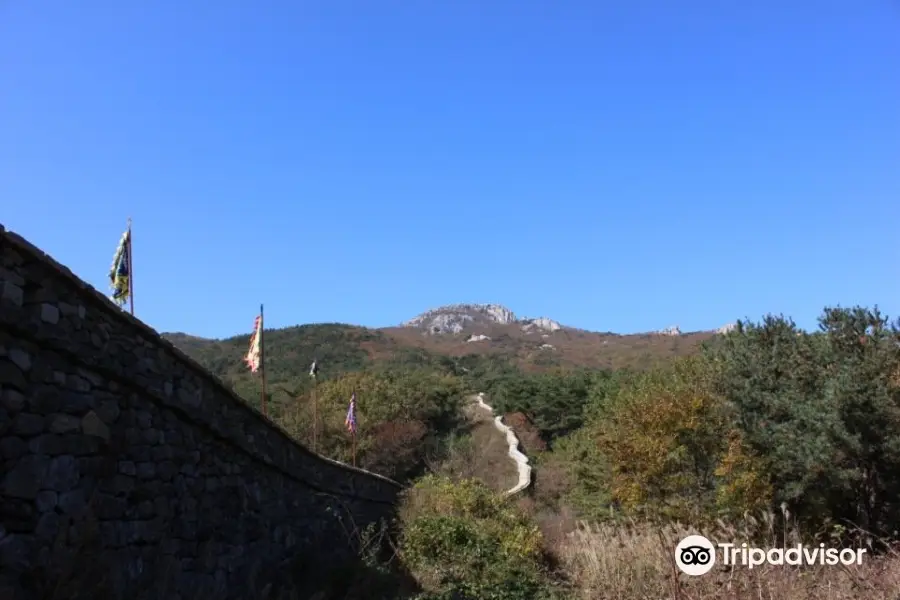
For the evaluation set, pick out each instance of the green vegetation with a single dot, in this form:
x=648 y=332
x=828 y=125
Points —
x=289 y=354
x=464 y=542
x=405 y=418
x=767 y=434
x=766 y=414
x=553 y=402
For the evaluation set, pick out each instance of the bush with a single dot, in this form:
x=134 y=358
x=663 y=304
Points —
x=669 y=449
x=463 y=541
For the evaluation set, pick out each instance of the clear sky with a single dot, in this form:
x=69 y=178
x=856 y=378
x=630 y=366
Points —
x=618 y=165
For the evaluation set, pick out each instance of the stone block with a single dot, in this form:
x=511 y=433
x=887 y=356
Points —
x=47 y=527
x=80 y=444
x=11 y=294
x=15 y=553
x=73 y=502
x=92 y=425
x=49 y=313
x=25 y=478
x=20 y=358
x=108 y=411
x=75 y=403
x=62 y=423
x=62 y=473
x=109 y=507
x=46 y=500
x=12 y=447
x=11 y=376
x=27 y=424
x=19 y=515
x=146 y=470
x=12 y=400
x=77 y=383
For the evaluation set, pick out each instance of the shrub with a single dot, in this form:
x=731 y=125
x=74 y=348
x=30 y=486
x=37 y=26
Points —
x=463 y=541
x=671 y=450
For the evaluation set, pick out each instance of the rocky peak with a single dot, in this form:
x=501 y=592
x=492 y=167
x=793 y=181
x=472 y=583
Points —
x=453 y=318
x=540 y=323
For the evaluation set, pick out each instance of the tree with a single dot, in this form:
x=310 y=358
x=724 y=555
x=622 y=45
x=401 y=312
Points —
x=554 y=402
x=670 y=447
x=821 y=410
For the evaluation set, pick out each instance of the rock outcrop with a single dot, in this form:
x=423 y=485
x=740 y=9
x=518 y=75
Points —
x=673 y=330
x=454 y=318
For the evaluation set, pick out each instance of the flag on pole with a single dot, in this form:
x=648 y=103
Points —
x=314 y=369
x=350 y=421
x=253 y=354
x=120 y=272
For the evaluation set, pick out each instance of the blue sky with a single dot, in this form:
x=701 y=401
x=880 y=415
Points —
x=617 y=166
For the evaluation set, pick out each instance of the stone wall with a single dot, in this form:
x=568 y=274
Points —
x=523 y=469
x=123 y=458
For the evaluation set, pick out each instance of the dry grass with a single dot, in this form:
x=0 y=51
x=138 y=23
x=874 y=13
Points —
x=636 y=561
x=482 y=453
x=486 y=457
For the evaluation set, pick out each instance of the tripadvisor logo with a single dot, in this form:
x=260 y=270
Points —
x=696 y=555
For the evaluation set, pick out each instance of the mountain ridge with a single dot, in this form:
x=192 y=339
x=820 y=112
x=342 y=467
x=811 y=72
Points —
x=453 y=332
x=458 y=318
x=454 y=318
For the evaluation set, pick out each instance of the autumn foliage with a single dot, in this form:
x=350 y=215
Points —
x=769 y=431
x=673 y=451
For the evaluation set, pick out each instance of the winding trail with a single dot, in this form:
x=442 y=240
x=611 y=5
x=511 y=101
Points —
x=522 y=467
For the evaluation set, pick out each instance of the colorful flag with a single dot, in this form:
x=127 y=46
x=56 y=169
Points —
x=120 y=272
x=253 y=354
x=350 y=421
x=314 y=369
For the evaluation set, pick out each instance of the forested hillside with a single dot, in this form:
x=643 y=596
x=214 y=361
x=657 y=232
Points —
x=768 y=435
x=340 y=348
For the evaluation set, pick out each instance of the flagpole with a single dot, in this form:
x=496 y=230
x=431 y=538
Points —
x=356 y=425
x=130 y=270
x=315 y=415
x=262 y=359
